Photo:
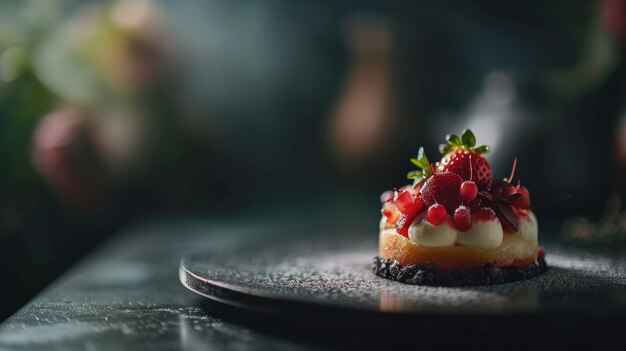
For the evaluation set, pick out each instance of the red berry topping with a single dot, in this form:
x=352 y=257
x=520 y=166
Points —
x=414 y=191
x=405 y=220
x=468 y=191
x=524 y=201
x=463 y=158
x=468 y=165
x=442 y=188
x=462 y=219
x=404 y=201
x=436 y=214
x=463 y=184
x=386 y=196
x=475 y=205
x=509 y=190
x=541 y=252
x=485 y=214
x=390 y=211
x=522 y=190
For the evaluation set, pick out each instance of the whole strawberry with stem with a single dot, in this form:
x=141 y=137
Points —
x=463 y=157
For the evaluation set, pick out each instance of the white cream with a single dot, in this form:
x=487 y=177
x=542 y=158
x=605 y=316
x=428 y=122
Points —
x=425 y=234
x=527 y=227
x=391 y=231
x=482 y=234
x=384 y=225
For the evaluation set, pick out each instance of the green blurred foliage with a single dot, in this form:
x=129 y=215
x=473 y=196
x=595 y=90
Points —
x=23 y=101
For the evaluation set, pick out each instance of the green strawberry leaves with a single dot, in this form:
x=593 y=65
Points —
x=453 y=140
x=468 y=138
x=483 y=149
x=467 y=141
x=424 y=171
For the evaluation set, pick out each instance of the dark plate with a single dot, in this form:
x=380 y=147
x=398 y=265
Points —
x=331 y=280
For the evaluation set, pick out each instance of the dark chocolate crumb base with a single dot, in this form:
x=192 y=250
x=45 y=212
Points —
x=429 y=275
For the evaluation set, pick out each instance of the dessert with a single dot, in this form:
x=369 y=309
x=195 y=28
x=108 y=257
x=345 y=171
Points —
x=457 y=225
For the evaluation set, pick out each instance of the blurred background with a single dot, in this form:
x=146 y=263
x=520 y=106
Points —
x=114 y=111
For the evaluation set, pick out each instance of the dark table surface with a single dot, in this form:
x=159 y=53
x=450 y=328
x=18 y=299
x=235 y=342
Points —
x=127 y=294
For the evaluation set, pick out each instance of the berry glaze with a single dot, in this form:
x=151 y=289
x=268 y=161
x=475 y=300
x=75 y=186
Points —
x=458 y=203
x=485 y=214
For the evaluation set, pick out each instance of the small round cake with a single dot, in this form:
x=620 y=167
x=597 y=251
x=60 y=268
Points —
x=456 y=225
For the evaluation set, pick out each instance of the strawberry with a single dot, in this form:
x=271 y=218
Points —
x=407 y=217
x=461 y=156
x=443 y=189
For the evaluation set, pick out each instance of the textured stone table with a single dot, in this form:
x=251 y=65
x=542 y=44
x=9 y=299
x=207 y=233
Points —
x=127 y=295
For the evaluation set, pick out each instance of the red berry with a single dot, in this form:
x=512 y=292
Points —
x=524 y=201
x=410 y=189
x=522 y=190
x=404 y=201
x=468 y=191
x=459 y=161
x=390 y=211
x=436 y=214
x=462 y=219
x=386 y=196
x=405 y=220
x=541 y=252
x=509 y=190
x=442 y=188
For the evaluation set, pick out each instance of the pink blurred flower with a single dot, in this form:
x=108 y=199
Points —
x=65 y=154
